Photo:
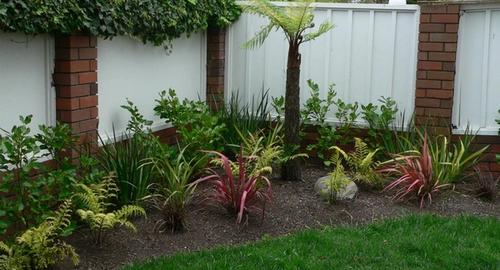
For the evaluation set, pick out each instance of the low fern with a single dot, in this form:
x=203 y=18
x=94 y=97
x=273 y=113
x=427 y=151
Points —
x=337 y=178
x=95 y=201
x=38 y=247
x=362 y=164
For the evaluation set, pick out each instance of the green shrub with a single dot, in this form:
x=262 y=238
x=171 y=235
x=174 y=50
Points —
x=198 y=127
x=94 y=202
x=314 y=112
x=33 y=195
x=380 y=121
x=39 y=247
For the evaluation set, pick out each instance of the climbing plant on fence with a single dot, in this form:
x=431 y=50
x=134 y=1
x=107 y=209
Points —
x=154 y=21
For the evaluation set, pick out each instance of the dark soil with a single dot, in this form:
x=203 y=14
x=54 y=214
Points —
x=295 y=207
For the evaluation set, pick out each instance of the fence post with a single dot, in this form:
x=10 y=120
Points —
x=216 y=46
x=436 y=66
x=75 y=80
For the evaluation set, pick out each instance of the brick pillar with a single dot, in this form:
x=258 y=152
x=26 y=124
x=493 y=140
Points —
x=75 y=80
x=436 y=65
x=216 y=44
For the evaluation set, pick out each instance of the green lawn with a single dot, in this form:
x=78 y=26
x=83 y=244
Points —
x=415 y=242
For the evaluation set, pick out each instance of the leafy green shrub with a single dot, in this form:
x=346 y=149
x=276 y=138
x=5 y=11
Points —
x=347 y=114
x=173 y=190
x=155 y=21
x=362 y=164
x=314 y=112
x=32 y=196
x=380 y=121
x=39 y=247
x=198 y=127
x=94 y=202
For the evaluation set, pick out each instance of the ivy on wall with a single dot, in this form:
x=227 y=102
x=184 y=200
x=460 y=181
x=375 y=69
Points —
x=152 y=21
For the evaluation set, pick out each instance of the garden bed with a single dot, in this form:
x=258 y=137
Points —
x=295 y=207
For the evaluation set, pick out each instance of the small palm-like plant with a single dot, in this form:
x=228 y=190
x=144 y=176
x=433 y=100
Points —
x=38 y=247
x=362 y=164
x=237 y=190
x=415 y=176
x=173 y=191
x=295 y=19
x=95 y=202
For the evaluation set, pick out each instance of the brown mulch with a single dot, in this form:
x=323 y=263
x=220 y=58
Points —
x=295 y=207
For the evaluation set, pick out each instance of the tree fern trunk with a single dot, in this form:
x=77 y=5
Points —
x=292 y=169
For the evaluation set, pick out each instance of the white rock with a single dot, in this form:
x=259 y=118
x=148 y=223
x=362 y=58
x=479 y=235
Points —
x=348 y=192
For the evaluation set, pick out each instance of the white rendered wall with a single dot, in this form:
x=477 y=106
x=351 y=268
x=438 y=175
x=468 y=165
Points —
x=129 y=69
x=26 y=65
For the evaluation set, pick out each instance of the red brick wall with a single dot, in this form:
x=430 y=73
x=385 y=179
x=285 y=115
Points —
x=75 y=80
x=436 y=65
x=216 y=42
x=436 y=74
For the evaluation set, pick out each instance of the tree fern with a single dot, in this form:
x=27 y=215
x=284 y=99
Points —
x=95 y=202
x=362 y=164
x=39 y=248
x=296 y=19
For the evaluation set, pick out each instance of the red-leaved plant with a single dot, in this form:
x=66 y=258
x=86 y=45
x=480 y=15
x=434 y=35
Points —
x=237 y=190
x=415 y=176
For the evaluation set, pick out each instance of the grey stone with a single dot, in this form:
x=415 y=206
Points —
x=348 y=192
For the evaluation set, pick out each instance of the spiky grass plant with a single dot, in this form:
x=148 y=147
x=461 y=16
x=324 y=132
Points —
x=174 y=190
x=39 y=247
x=95 y=201
x=124 y=158
x=237 y=190
x=452 y=160
x=486 y=184
x=362 y=164
x=246 y=118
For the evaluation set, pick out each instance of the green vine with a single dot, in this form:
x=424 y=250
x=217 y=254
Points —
x=153 y=21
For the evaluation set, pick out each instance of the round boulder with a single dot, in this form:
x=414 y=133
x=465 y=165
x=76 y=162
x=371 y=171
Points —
x=347 y=192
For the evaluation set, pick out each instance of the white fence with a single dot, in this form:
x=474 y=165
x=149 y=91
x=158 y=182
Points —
x=371 y=52
x=477 y=83
x=130 y=69
x=26 y=65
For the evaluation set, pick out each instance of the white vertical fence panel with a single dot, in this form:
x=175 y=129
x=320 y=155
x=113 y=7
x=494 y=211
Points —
x=130 y=69
x=26 y=65
x=371 y=52
x=477 y=80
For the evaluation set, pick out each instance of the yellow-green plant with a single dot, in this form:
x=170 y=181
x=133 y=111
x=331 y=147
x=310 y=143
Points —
x=362 y=164
x=174 y=190
x=95 y=201
x=39 y=247
x=337 y=178
x=450 y=161
x=263 y=150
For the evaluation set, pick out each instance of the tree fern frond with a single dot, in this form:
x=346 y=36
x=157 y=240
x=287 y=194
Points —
x=259 y=37
x=323 y=28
